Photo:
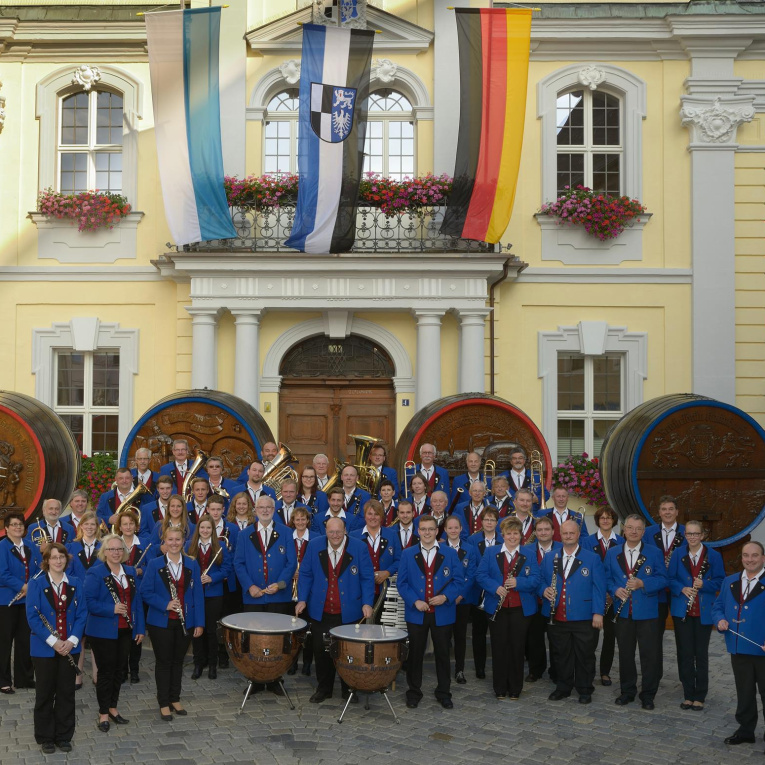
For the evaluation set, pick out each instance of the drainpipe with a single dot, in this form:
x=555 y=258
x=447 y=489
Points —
x=494 y=284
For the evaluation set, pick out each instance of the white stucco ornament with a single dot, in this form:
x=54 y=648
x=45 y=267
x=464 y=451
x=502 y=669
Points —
x=592 y=76
x=2 y=109
x=290 y=70
x=384 y=70
x=716 y=122
x=86 y=76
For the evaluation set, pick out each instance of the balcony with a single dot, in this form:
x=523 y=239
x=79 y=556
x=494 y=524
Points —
x=267 y=229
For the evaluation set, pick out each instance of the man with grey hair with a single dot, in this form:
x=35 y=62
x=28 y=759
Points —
x=142 y=473
x=321 y=466
x=53 y=529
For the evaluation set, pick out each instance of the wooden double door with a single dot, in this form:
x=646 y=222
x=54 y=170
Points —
x=317 y=416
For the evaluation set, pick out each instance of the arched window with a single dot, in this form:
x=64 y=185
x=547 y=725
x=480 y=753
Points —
x=389 y=147
x=589 y=141
x=89 y=142
x=281 y=132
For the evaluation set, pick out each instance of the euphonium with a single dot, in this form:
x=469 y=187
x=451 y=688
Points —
x=369 y=475
x=130 y=503
x=199 y=462
x=279 y=470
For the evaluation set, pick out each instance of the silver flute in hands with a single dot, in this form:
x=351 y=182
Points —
x=179 y=609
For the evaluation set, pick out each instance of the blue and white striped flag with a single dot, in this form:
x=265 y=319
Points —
x=334 y=89
x=183 y=63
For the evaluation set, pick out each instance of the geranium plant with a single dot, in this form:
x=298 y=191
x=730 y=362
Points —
x=96 y=476
x=581 y=476
x=601 y=215
x=91 y=209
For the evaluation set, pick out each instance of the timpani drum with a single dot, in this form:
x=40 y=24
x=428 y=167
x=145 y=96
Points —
x=262 y=646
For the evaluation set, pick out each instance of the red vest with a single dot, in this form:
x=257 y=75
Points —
x=60 y=604
x=181 y=594
x=513 y=598
x=430 y=572
x=695 y=571
x=332 y=601
x=125 y=597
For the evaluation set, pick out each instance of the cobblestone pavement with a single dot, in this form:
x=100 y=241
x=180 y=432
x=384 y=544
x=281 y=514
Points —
x=479 y=728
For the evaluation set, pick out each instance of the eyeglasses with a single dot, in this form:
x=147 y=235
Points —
x=114 y=549
x=693 y=533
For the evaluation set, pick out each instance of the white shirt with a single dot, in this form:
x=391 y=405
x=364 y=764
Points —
x=50 y=640
x=265 y=533
x=200 y=509
x=219 y=528
x=375 y=541
x=255 y=493
x=632 y=554
x=509 y=554
x=747 y=585
x=518 y=478
x=287 y=511
x=204 y=547
x=419 y=505
x=302 y=540
x=668 y=535
x=120 y=577
x=608 y=540
x=143 y=477
x=335 y=556
x=427 y=472
x=181 y=467
x=52 y=529
x=176 y=569
x=330 y=514
x=562 y=517
x=88 y=548
x=20 y=549
x=405 y=533
x=490 y=541
x=162 y=510
x=243 y=524
x=568 y=560
x=526 y=523
x=545 y=550
x=429 y=554
x=322 y=482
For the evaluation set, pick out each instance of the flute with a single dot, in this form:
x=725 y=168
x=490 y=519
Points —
x=143 y=555
x=20 y=594
x=118 y=602
x=206 y=571
x=54 y=633
x=179 y=610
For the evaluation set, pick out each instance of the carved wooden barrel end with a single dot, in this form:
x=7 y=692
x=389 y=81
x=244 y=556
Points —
x=471 y=422
x=220 y=424
x=39 y=456
x=709 y=455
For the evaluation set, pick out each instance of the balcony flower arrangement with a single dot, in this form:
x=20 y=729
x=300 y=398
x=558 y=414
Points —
x=96 y=476
x=601 y=215
x=581 y=476
x=91 y=209
x=266 y=191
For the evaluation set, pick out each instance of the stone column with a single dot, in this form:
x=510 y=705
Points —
x=428 y=369
x=204 y=351
x=247 y=359
x=471 y=377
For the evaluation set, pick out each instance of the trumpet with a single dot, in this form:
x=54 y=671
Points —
x=408 y=465
x=40 y=536
x=537 y=471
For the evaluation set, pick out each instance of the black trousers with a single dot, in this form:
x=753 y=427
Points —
x=232 y=604
x=536 y=647
x=609 y=643
x=508 y=641
x=14 y=637
x=205 y=646
x=692 y=641
x=749 y=674
x=459 y=636
x=325 y=667
x=111 y=655
x=136 y=649
x=663 y=614
x=641 y=635
x=54 y=699
x=170 y=647
x=418 y=638
x=480 y=622
x=573 y=646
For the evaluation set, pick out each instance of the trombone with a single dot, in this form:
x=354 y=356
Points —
x=489 y=468
x=537 y=477
x=408 y=465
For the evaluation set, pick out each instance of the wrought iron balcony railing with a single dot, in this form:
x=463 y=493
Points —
x=266 y=230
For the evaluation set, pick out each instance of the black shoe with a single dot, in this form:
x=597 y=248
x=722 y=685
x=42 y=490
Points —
x=78 y=686
x=501 y=697
x=48 y=747
x=319 y=696
x=447 y=704
x=223 y=662
x=531 y=678
x=166 y=718
x=558 y=695
x=412 y=703
x=307 y=670
x=739 y=738
x=480 y=674
x=179 y=712
x=292 y=670
x=134 y=678
x=64 y=746
x=648 y=705
x=460 y=678
x=212 y=673
x=585 y=698
x=7 y=690
x=103 y=726
x=197 y=673
x=605 y=680
x=118 y=718
x=623 y=700
x=514 y=696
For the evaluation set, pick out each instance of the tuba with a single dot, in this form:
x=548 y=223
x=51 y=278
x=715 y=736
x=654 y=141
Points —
x=130 y=503
x=199 y=462
x=279 y=470
x=369 y=476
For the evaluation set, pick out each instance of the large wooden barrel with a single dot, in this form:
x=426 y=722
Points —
x=709 y=455
x=470 y=422
x=39 y=456
x=219 y=423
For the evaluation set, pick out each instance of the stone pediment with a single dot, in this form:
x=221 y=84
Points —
x=285 y=36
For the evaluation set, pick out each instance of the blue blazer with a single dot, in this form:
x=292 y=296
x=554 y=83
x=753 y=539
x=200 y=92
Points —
x=279 y=517
x=573 y=515
x=109 y=502
x=680 y=576
x=352 y=523
x=653 y=536
x=152 y=486
x=267 y=490
x=478 y=540
x=220 y=572
x=169 y=469
x=592 y=544
x=465 y=514
x=79 y=566
x=40 y=596
x=318 y=503
x=155 y=592
x=491 y=574
x=751 y=619
x=442 y=480
x=463 y=482
x=356 y=582
x=149 y=518
x=645 y=601
x=449 y=580
x=390 y=474
x=12 y=570
x=390 y=548
x=585 y=586
x=281 y=559
x=154 y=539
x=526 y=485
x=102 y=621
x=67 y=532
x=470 y=558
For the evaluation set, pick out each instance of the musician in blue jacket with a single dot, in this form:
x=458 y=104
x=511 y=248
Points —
x=574 y=581
x=49 y=528
x=510 y=580
x=636 y=574
x=430 y=579
x=695 y=575
x=561 y=512
x=519 y=477
x=378 y=456
x=436 y=478
x=172 y=587
x=56 y=612
x=19 y=564
x=142 y=473
x=115 y=621
x=110 y=501
x=739 y=613
x=336 y=510
x=180 y=466
x=467 y=479
x=337 y=586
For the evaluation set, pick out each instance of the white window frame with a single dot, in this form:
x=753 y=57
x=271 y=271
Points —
x=386 y=118
x=86 y=334
x=287 y=116
x=589 y=338
x=617 y=81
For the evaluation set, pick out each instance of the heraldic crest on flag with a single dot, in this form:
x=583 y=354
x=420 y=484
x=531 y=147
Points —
x=332 y=108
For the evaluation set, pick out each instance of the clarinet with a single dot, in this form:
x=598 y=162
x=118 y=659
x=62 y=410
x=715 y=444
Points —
x=47 y=625
x=118 y=602
x=618 y=610
x=143 y=555
x=510 y=575
x=179 y=610
x=20 y=594
x=692 y=599
x=554 y=586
